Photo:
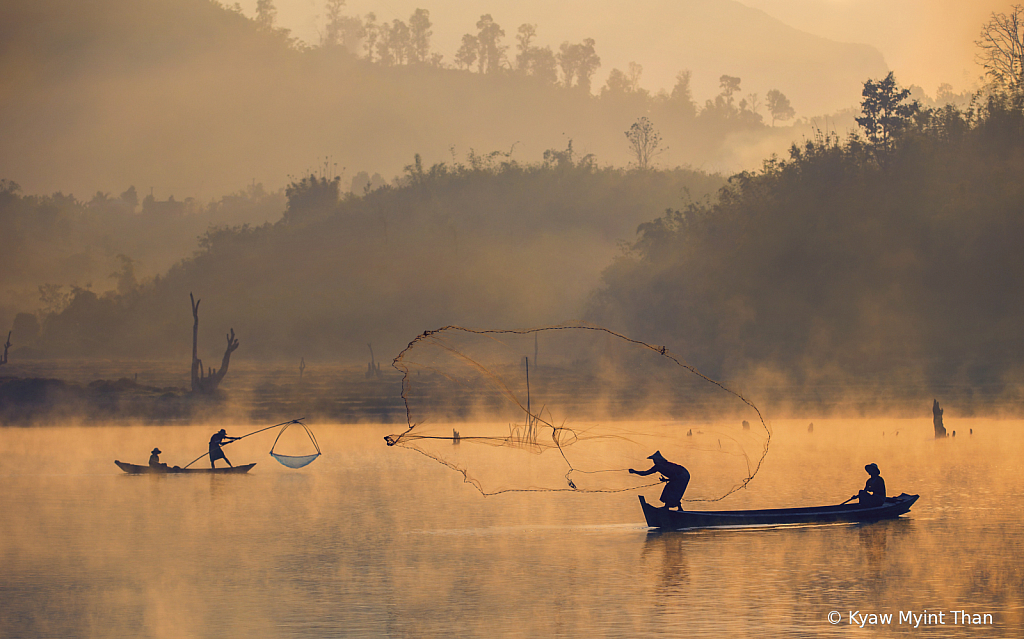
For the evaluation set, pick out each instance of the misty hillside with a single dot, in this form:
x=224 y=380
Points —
x=709 y=37
x=491 y=242
x=56 y=243
x=191 y=99
x=896 y=264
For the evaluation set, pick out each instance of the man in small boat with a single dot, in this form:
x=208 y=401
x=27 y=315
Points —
x=874 y=489
x=677 y=477
x=216 y=452
x=154 y=460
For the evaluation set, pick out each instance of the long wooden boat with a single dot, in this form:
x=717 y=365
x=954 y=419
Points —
x=136 y=469
x=678 y=519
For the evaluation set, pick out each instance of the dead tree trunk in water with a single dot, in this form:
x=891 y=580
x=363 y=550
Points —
x=207 y=383
x=940 y=430
x=373 y=368
x=7 y=345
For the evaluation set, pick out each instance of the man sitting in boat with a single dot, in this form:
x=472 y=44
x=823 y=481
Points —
x=874 y=489
x=154 y=460
x=676 y=476
x=216 y=452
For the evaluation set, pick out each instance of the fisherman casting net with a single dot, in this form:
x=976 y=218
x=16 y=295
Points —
x=572 y=408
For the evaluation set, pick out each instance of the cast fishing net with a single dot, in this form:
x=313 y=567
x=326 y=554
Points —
x=572 y=408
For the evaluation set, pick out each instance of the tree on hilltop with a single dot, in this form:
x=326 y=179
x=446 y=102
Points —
x=578 y=63
x=644 y=142
x=779 y=106
x=1002 y=48
x=886 y=112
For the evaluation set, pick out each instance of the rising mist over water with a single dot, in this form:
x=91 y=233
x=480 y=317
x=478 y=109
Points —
x=342 y=547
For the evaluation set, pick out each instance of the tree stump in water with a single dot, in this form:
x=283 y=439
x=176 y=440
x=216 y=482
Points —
x=940 y=430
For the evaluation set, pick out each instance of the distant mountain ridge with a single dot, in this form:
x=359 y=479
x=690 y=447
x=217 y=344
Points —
x=709 y=37
x=189 y=98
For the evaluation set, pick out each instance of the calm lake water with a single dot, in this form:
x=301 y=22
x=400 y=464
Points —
x=383 y=542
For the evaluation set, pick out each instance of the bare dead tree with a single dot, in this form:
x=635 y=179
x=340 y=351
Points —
x=209 y=382
x=1002 y=48
x=7 y=346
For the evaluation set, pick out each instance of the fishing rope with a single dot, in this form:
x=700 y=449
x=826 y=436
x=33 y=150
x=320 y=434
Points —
x=400 y=365
x=235 y=439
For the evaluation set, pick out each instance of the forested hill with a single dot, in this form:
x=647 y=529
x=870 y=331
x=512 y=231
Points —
x=894 y=260
x=489 y=242
x=193 y=99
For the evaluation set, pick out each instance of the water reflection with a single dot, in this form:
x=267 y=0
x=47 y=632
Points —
x=367 y=542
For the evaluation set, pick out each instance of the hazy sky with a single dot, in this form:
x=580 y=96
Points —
x=925 y=42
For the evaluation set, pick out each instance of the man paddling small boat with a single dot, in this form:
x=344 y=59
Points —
x=874 y=489
x=677 y=477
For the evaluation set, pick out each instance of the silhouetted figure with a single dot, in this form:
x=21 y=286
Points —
x=676 y=476
x=216 y=452
x=874 y=489
x=810 y=427
x=940 y=430
x=154 y=459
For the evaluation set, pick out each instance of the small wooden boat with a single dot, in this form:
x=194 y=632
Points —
x=678 y=519
x=136 y=469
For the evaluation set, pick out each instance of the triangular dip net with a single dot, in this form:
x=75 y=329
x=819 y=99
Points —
x=572 y=408
x=295 y=461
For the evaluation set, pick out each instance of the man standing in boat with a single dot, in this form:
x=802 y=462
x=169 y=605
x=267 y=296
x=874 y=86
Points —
x=676 y=476
x=874 y=489
x=216 y=452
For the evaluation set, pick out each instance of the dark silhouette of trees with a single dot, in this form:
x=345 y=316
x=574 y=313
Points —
x=266 y=14
x=536 y=62
x=644 y=142
x=886 y=113
x=730 y=85
x=7 y=346
x=1002 y=48
x=831 y=265
x=621 y=83
x=779 y=106
x=419 y=36
x=311 y=196
x=342 y=30
x=206 y=384
x=490 y=52
x=484 y=48
x=371 y=33
x=394 y=43
x=127 y=283
x=578 y=63
x=681 y=99
x=468 y=51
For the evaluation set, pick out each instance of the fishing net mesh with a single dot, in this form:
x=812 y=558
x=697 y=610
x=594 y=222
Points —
x=295 y=461
x=572 y=408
